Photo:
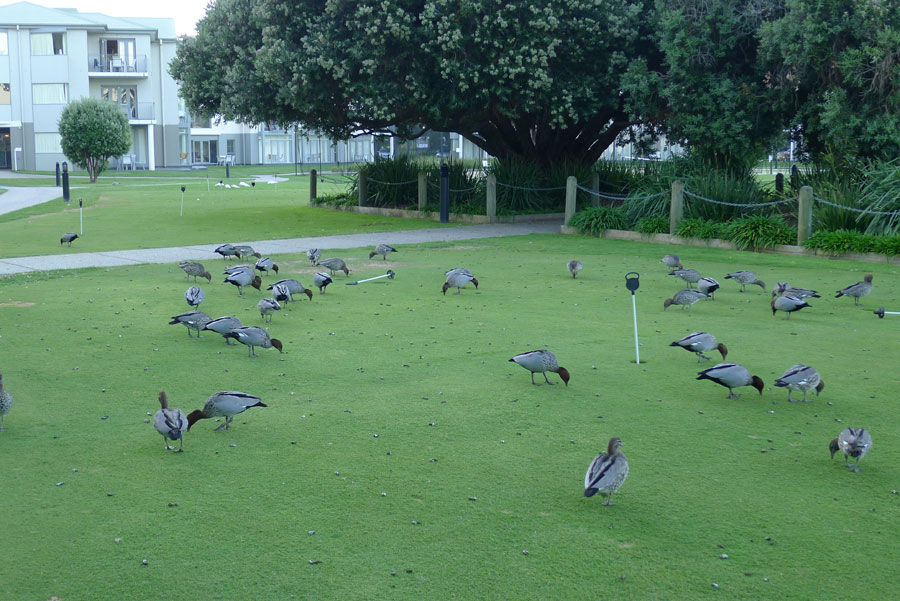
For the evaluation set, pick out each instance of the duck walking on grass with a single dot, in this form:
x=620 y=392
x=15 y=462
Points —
x=313 y=254
x=383 y=250
x=672 y=262
x=68 y=238
x=857 y=290
x=333 y=265
x=731 y=376
x=267 y=307
x=607 y=472
x=265 y=265
x=293 y=287
x=223 y=325
x=321 y=281
x=171 y=423
x=801 y=378
x=192 y=320
x=699 y=343
x=193 y=268
x=253 y=336
x=853 y=442
x=691 y=276
x=6 y=402
x=574 y=267
x=685 y=298
x=746 y=277
x=194 y=296
x=788 y=304
x=244 y=278
x=541 y=361
x=226 y=250
x=224 y=404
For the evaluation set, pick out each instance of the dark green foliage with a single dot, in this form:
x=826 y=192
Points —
x=888 y=245
x=652 y=225
x=342 y=199
x=91 y=132
x=702 y=229
x=524 y=187
x=597 y=220
x=881 y=192
x=760 y=231
x=846 y=241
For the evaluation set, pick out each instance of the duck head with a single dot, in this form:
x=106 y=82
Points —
x=277 y=344
x=193 y=417
x=563 y=374
x=444 y=288
x=668 y=302
x=308 y=293
x=834 y=447
x=613 y=446
x=257 y=282
x=722 y=349
x=820 y=386
x=757 y=383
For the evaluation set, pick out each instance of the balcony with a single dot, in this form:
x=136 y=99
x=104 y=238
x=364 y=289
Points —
x=141 y=111
x=104 y=65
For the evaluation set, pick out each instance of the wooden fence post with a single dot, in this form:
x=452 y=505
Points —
x=676 y=207
x=312 y=186
x=804 y=214
x=423 y=191
x=491 y=208
x=571 y=191
x=363 y=189
x=595 y=186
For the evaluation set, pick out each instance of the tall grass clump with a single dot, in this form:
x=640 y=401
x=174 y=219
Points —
x=652 y=225
x=597 y=220
x=524 y=187
x=760 y=231
x=881 y=192
x=843 y=188
x=842 y=241
x=701 y=229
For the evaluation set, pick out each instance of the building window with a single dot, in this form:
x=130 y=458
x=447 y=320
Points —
x=229 y=146
x=47 y=143
x=124 y=96
x=4 y=44
x=4 y=93
x=45 y=44
x=49 y=93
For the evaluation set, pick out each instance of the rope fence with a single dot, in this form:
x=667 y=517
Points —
x=739 y=204
x=854 y=209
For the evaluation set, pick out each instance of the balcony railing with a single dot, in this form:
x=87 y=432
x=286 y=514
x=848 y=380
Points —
x=142 y=111
x=102 y=63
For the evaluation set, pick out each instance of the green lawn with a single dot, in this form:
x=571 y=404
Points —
x=140 y=213
x=425 y=462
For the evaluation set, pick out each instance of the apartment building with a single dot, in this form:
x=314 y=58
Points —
x=50 y=57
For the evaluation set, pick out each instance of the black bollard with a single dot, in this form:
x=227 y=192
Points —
x=65 y=181
x=57 y=174
x=445 y=193
x=779 y=183
x=227 y=170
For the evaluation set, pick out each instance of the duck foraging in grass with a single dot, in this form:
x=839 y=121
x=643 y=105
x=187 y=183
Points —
x=607 y=472
x=224 y=404
x=244 y=278
x=785 y=289
x=685 y=298
x=192 y=320
x=458 y=278
x=574 y=267
x=226 y=250
x=194 y=296
x=672 y=262
x=293 y=287
x=746 y=277
x=691 y=276
x=313 y=254
x=267 y=307
x=171 y=423
x=321 y=281
x=731 y=376
x=223 y=325
x=699 y=343
x=853 y=442
x=541 y=361
x=68 y=238
x=6 y=402
x=193 y=268
x=788 y=304
x=383 y=250
x=708 y=286
x=253 y=336
x=334 y=264
x=265 y=265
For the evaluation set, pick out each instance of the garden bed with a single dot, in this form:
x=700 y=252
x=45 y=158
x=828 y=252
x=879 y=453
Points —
x=454 y=217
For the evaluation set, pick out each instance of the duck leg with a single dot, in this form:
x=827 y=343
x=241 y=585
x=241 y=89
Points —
x=180 y=445
x=790 y=400
x=701 y=357
x=547 y=380
x=166 y=442
x=732 y=394
x=222 y=426
x=532 y=379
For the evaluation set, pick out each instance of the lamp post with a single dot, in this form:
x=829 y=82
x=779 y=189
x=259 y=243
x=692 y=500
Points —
x=632 y=283
x=182 y=201
x=65 y=181
x=253 y=185
x=80 y=218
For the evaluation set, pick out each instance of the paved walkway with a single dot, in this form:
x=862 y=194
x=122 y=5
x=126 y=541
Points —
x=204 y=252
x=19 y=198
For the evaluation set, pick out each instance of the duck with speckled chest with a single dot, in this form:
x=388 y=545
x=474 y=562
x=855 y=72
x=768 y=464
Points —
x=224 y=404
x=541 y=361
x=607 y=472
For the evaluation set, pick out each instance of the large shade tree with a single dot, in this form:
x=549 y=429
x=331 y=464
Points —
x=92 y=131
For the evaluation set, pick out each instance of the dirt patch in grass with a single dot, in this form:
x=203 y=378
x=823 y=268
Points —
x=17 y=304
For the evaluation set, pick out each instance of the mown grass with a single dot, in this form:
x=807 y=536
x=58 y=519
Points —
x=86 y=352
x=139 y=214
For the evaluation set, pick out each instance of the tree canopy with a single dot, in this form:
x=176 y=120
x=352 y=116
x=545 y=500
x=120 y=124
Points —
x=92 y=131
x=545 y=81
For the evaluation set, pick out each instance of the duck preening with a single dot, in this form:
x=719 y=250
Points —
x=746 y=277
x=192 y=320
x=68 y=238
x=313 y=254
x=267 y=307
x=193 y=268
x=574 y=267
x=857 y=290
x=383 y=250
x=685 y=298
x=788 y=304
x=253 y=336
x=321 y=281
x=6 y=402
x=853 y=442
x=334 y=264
x=785 y=289
x=293 y=287
x=672 y=262
x=224 y=404
x=223 y=325
x=541 y=361
x=801 y=378
x=699 y=343
x=171 y=423
x=194 y=296
x=458 y=278
x=607 y=472
x=731 y=376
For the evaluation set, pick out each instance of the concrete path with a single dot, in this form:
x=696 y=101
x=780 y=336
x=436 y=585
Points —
x=204 y=252
x=19 y=198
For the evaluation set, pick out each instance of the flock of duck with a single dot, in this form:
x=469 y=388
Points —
x=853 y=442
x=608 y=470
